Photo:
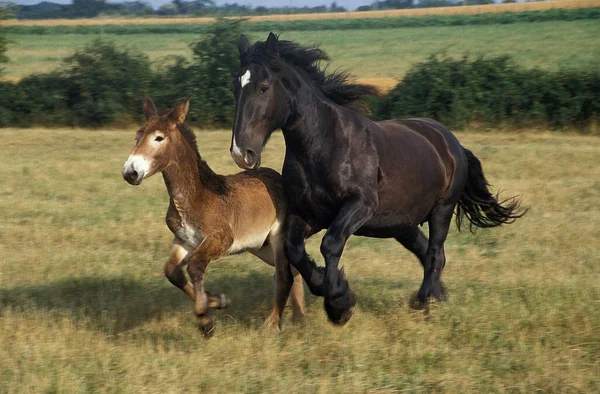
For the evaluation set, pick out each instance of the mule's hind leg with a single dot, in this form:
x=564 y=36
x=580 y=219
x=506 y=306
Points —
x=297 y=295
x=273 y=255
x=435 y=258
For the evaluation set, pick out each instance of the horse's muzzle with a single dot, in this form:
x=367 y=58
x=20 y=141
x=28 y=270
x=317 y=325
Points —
x=248 y=160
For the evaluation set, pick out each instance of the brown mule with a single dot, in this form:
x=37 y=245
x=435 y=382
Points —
x=212 y=215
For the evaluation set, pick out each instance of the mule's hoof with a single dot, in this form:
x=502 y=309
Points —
x=340 y=310
x=224 y=302
x=206 y=325
x=271 y=326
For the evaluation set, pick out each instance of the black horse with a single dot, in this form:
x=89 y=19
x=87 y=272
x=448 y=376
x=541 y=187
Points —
x=350 y=175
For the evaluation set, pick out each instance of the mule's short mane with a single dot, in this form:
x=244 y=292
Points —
x=208 y=178
x=336 y=86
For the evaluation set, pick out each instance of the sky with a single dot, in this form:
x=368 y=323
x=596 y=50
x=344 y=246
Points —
x=349 y=4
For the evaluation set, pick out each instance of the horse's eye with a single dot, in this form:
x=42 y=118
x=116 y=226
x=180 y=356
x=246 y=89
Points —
x=264 y=88
x=159 y=138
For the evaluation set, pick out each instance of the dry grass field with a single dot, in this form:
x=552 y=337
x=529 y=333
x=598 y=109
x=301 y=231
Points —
x=84 y=306
x=463 y=10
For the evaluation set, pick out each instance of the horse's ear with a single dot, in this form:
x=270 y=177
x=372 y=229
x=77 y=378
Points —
x=149 y=107
x=271 y=44
x=179 y=113
x=243 y=44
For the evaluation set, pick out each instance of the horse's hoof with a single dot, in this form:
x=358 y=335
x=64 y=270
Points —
x=340 y=310
x=417 y=303
x=439 y=292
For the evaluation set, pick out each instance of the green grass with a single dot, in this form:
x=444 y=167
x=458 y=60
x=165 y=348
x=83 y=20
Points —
x=366 y=53
x=84 y=306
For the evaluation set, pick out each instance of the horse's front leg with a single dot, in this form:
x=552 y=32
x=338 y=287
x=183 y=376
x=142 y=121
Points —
x=214 y=246
x=339 y=300
x=296 y=231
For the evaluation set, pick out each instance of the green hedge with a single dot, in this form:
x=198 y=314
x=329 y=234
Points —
x=331 y=24
x=494 y=91
x=104 y=85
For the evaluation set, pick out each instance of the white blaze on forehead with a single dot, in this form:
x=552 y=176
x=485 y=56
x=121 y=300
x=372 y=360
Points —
x=137 y=163
x=244 y=79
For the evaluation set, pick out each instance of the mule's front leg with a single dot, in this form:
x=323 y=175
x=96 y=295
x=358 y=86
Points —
x=173 y=271
x=213 y=247
x=339 y=300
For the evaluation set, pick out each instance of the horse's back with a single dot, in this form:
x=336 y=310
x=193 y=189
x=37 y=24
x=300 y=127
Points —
x=417 y=163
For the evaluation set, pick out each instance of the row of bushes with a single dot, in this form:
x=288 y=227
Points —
x=103 y=85
x=332 y=24
x=494 y=91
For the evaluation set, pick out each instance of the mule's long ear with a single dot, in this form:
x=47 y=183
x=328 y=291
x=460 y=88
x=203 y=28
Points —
x=243 y=44
x=149 y=107
x=271 y=44
x=179 y=113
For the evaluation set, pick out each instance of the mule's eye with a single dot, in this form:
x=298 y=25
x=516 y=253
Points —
x=159 y=138
x=264 y=88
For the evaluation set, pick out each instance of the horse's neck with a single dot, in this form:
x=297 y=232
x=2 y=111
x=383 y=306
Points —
x=311 y=116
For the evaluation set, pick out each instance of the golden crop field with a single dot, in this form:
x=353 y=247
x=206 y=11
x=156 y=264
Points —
x=462 y=10
x=84 y=306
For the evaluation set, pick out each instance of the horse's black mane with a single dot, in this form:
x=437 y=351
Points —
x=208 y=178
x=336 y=86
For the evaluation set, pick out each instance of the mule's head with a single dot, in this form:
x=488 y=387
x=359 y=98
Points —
x=155 y=143
x=261 y=101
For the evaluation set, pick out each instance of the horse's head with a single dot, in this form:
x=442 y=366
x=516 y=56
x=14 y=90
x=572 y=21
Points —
x=155 y=143
x=261 y=101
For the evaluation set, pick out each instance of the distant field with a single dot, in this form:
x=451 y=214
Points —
x=84 y=306
x=461 y=10
x=373 y=53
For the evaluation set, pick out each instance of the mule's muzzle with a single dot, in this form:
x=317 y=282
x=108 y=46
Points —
x=132 y=176
x=135 y=169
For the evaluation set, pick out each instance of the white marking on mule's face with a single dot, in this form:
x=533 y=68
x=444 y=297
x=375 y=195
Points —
x=137 y=163
x=245 y=79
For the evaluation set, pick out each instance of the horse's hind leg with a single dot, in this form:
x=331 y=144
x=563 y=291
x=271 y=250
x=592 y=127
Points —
x=435 y=258
x=415 y=241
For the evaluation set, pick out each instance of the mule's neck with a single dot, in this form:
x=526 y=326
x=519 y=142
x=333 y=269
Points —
x=187 y=178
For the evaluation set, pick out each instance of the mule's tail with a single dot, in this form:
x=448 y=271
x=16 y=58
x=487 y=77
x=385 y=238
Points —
x=479 y=205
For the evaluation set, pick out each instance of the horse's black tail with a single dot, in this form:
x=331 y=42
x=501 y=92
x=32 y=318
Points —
x=477 y=203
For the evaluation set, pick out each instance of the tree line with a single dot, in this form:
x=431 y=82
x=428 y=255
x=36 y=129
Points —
x=94 y=8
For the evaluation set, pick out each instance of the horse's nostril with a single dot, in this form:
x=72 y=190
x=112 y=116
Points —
x=133 y=175
x=250 y=156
